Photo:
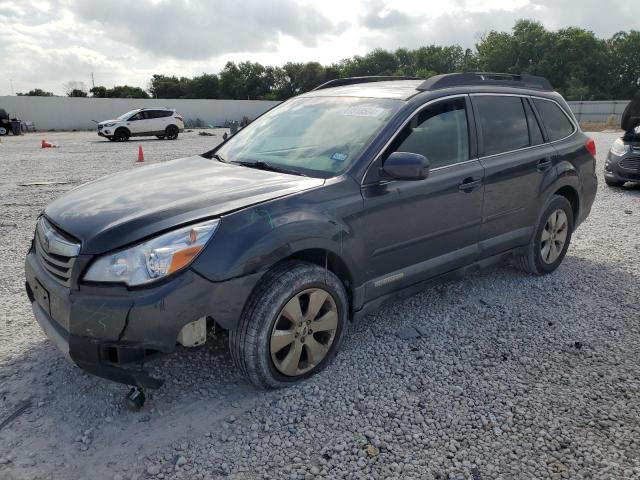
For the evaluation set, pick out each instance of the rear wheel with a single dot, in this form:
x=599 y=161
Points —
x=171 y=132
x=121 y=135
x=292 y=327
x=550 y=241
x=613 y=183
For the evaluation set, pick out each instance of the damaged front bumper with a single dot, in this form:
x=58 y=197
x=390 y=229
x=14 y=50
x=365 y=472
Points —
x=112 y=331
x=623 y=169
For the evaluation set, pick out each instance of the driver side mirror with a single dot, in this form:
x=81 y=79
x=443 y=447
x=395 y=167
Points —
x=406 y=166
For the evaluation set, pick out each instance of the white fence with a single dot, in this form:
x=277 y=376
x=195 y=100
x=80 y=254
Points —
x=599 y=111
x=64 y=113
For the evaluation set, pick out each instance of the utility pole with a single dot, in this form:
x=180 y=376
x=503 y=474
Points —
x=93 y=84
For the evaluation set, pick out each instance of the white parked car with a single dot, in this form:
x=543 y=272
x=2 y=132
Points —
x=161 y=122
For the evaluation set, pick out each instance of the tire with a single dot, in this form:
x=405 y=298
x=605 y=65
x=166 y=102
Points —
x=265 y=319
x=160 y=137
x=540 y=261
x=121 y=135
x=171 y=132
x=614 y=183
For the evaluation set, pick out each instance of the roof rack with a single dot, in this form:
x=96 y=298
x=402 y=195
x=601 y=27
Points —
x=340 y=82
x=485 y=78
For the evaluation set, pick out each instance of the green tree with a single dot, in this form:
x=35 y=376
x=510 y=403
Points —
x=497 y=53
x=99 y=92
x=74 y=88
x=163 y=86
x=244 y=81
x=36 y=92
x=76 y=92
x=125 y=91
x=624 y=48
x=578 y=64
x=203 y=86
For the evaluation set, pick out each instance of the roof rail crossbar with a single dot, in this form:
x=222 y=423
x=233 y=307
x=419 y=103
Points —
x=340 y=82
x=524 y=80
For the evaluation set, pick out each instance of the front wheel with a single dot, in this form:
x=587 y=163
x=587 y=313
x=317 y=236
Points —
x=550 y=241
x=122 y=135
x=292 y=326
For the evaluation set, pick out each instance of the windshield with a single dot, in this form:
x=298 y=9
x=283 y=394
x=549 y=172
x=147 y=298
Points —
x=128 y=114
x=318 y=136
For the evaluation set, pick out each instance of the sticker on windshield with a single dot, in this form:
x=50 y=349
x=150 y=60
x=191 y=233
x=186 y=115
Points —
x=364 y=111
x=339 y=157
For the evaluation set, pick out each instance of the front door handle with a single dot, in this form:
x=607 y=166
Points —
x=544 y=164
x=469 y=184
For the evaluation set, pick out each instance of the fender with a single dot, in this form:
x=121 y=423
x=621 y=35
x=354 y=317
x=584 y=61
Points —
x=254 y=239
x=566 y=175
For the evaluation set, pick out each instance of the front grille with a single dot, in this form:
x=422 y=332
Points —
x=631 y=163
x=99 y=127
x=55 y=251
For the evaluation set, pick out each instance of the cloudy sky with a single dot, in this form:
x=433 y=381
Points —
x=46 y=43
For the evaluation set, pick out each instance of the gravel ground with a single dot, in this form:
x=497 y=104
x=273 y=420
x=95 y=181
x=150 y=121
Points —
x=499 y=376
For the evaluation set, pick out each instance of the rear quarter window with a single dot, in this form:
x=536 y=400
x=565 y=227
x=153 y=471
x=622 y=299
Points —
x=554 y=119
x=502 y=122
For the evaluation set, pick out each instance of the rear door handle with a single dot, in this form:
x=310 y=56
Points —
x=544 y=164
x=469 y=184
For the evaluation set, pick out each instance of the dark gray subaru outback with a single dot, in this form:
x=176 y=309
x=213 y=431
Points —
x=321 y=210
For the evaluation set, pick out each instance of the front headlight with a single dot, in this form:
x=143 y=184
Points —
x=618 y=147
x=110 y=124
x=153 y=259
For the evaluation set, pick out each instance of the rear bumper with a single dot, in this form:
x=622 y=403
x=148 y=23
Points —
x=112 y=331
x=587 y=197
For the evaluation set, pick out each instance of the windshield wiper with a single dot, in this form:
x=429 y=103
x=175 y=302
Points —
x=260 y=165
x=219 y=158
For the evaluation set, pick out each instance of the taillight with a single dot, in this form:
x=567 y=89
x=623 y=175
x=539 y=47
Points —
x=591 y=147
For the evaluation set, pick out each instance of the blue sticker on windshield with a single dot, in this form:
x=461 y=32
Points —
x=339 y=157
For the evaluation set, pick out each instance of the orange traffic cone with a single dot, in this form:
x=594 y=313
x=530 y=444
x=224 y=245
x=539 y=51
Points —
x=140 y=154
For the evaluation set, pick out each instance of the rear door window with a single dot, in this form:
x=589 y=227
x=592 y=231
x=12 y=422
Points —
x=535 y=134
x=556 y=122
x=502 y=123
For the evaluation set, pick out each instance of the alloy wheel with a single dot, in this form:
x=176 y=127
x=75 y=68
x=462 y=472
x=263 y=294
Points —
x=554 y=236
x=303 y=332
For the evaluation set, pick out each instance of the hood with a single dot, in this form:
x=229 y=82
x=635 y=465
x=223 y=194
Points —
x=109 y=121
x=126 y=207
x=631 y=114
